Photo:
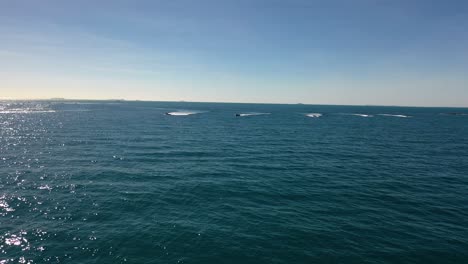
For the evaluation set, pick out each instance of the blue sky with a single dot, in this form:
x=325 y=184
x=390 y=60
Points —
x=321 y=52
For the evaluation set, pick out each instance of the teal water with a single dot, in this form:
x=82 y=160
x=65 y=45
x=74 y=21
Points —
x=122 y=182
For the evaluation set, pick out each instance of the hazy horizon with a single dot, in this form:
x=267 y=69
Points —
x=326 y=52
x=58 y=99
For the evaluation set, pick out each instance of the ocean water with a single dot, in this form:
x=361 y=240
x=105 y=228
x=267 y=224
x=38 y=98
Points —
x=124 y=182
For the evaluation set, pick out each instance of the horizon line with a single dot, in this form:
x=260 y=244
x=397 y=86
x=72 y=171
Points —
x=58 y=99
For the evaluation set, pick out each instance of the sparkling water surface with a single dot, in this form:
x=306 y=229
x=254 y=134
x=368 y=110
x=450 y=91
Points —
x=153 y=182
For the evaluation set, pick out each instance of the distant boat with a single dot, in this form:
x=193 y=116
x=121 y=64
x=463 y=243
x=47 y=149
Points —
x=455 y=113
x=316 y=115
x=251 y=114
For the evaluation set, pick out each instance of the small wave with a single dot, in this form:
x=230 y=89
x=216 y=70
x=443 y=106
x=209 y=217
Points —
x=18 y=240
x=181 y=113
x=15 y=241
x=45 y=187
x=4 y=205
x=251 y=114
x=402 y=116
x=315 y=115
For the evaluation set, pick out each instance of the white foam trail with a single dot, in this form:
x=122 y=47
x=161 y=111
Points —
x=402 y=116
x=181 y=113
x=455 y=114
x=316 y=115
x=362 y=115
x=252 y=114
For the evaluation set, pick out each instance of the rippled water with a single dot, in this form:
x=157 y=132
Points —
x=125 y=182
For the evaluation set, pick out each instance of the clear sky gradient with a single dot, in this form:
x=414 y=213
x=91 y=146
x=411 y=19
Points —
x=379 y=52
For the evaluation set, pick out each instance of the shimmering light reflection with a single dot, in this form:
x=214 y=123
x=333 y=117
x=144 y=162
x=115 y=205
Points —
x=4 y=205
x=111 y=183
x=24 y=141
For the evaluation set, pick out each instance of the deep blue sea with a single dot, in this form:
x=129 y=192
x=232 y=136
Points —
x=125 y=182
